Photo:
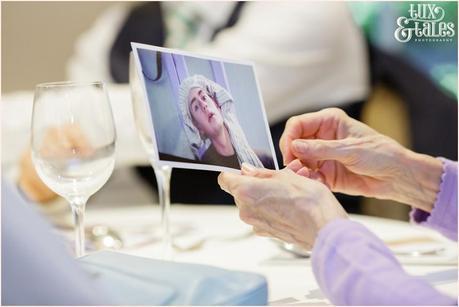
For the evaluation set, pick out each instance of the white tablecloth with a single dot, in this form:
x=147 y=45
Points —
x=216 y=236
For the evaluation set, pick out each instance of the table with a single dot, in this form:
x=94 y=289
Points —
x=214 y=235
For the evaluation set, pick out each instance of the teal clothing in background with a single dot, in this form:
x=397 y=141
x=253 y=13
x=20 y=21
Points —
x=378 y=21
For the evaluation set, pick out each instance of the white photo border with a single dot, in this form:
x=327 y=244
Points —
x=197 y=166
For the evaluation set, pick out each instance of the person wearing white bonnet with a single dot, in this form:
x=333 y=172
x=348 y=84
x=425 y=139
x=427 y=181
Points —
x=211 y=126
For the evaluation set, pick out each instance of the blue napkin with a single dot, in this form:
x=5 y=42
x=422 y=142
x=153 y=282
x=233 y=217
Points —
x=142 y=281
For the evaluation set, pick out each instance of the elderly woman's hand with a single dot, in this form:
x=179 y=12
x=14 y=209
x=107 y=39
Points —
x=352 y=158
x=282 y=204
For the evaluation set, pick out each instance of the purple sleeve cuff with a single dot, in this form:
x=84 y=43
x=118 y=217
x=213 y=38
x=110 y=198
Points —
x=443 y=217
x=354 y=267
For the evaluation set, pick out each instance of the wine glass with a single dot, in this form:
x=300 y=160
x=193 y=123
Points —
x=162 y=172
x=73 y=143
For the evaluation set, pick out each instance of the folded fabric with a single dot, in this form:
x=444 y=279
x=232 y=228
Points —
x=131 y=280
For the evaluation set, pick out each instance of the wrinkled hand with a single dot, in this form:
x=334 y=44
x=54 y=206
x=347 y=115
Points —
x=282 y=204
x=57 y=143
x=352 y=158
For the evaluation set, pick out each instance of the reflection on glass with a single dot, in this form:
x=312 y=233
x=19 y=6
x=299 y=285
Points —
x=73 y=143
x=162 y=172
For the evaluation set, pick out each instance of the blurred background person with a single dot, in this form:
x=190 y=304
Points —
x=307 y=56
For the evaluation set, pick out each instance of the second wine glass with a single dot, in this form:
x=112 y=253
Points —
x=73 y=143
x=162 y=172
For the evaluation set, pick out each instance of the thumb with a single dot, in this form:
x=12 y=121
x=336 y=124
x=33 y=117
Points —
x=253 y=171
x=319 y=150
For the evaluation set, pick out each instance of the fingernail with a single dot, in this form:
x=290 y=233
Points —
x=248 y=168
x=298 y=145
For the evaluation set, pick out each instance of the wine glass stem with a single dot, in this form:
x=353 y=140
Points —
x=78 y=209
x=163 y=177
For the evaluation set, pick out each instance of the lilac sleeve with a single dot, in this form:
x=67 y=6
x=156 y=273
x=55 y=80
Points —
x=353 y=267
x=443 y=217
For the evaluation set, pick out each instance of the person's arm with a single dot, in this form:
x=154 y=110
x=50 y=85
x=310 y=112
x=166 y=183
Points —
x=37 y=267
x=353 y=267
x=443 y=216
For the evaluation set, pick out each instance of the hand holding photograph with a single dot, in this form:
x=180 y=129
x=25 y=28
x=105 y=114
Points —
x=205 y=113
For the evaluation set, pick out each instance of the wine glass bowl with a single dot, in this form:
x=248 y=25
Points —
x=73 y=143
x=162 y=172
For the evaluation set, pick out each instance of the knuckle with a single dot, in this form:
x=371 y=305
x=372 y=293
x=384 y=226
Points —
x=335 y=112
x=290 y=124
x=291 y=121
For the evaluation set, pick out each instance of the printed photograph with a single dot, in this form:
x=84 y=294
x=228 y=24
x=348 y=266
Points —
x=206 y=113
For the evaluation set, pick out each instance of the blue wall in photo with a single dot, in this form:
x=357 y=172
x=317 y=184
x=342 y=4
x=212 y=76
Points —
x=169 y=134
x=243 y=88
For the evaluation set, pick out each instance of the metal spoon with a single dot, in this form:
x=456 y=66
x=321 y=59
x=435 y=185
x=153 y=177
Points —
x=418 y=253
x=300 y=252
x=295 y=249
x=103 y=237
x=189 y=245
